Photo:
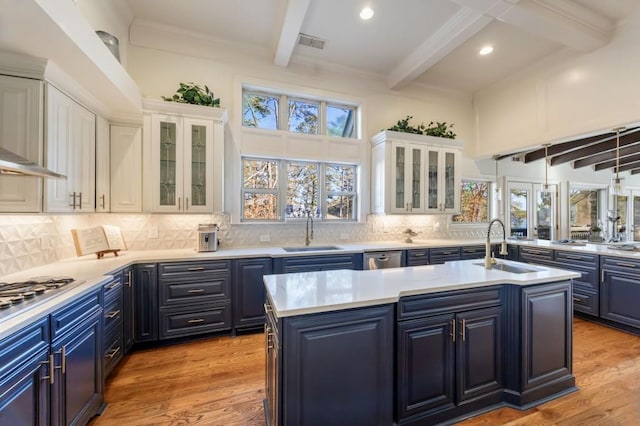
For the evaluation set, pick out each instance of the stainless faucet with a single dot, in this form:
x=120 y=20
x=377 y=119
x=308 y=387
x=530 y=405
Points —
x=488 y=258
x=308 y=235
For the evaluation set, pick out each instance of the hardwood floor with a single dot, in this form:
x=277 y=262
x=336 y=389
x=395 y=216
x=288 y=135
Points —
x=220 y=381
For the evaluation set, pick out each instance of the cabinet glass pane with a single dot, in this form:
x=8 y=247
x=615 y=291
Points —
x=167 y=164
x=433 y=180
x=416 y=179
x=544 y=215
x=449 y=180
x=399 y=183
x=198 y=165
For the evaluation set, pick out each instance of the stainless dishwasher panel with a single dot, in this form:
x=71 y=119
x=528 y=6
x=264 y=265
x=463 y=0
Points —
x=383 y=260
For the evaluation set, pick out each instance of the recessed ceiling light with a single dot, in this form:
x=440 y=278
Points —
x=366 y=13
x=486 y=50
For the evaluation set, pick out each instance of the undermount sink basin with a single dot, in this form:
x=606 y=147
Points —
x=509 y=268
x=309 y=248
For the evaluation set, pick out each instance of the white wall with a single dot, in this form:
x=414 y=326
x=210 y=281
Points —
x=567 y=95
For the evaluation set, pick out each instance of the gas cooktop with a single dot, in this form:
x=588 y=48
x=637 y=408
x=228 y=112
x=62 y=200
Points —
x=18 y=296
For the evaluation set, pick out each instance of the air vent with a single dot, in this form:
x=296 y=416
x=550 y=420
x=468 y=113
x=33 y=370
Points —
x=311 y=41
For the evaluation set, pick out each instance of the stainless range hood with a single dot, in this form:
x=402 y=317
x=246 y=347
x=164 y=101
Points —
x=13 y=164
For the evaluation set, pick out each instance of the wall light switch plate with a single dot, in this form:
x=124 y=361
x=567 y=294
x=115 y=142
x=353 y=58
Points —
x=264 y=238
x=153 y=232
x=344 y=236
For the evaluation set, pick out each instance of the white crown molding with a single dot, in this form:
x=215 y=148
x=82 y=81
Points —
x=166 y=107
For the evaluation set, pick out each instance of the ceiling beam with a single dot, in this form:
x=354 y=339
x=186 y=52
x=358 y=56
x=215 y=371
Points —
x=562 y=21
x=623 y=161
x=464 y=24
x=605 y=157
x=562 y=147
x=293 y=19
x=628 y=166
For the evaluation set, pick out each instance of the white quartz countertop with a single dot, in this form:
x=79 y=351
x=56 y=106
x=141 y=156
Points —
x=93 y=272
x=324 y=291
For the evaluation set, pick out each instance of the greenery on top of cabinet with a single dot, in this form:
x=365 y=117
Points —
x=191 y=93
x=439 y=129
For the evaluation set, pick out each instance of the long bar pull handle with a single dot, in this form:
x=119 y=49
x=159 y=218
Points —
x=113 y=314
x=453 y=330
x=80 y=200
x=462 y=329
x=113 y=285
x=568 y=256
x=577 y=299
x=102 y=204
x=51 y=370
x=626 y=264
x=129 y=278
x=186 y=203
x=196 y=290
x=195 y=321
x=64 y=359
x=72 y=200
x=267 y=308
x=602 y=276
x=198 y=268
x=113 y=352
x=179 y=203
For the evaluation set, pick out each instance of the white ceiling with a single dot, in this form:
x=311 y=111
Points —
x=433 y=42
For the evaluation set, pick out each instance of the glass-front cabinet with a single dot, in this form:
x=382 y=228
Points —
x=187 y=160
x=415 y=173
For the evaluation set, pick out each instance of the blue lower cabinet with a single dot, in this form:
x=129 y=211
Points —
x=544 y=354
x=286 y=265
x=24 y=376
x=619 y=295
x=446 y=362
x=145 y=303
x=78 y=388
x=339 y=368
x=249 y=292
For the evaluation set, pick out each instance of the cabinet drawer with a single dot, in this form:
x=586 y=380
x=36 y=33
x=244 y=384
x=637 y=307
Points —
x=585 y=300
x=317 y=263
x=572 y=257
x=439 y=303
x=214 y=288
x=193 y=269
x=620 y=263
x=417 y=257
x=588 y=274
x=113 y=351
x=475 y=252
x=68 y=317
x=112 y=314
x=16 y=349
x=113 y=289
x=194 y=320
x=534 y=254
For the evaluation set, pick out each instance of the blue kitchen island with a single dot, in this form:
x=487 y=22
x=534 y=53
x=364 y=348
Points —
x=421 y=345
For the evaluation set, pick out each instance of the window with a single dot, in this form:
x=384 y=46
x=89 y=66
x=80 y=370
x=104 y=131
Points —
x=260 y=189
x=301 y=115
x=326 y=191
x=474 y=202
x=260 y=110
x=341 y=121
x=583 y=212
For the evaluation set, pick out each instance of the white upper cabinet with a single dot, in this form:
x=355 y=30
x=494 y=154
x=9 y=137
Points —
x=415 y=174
x=71 y=144
x=21 y=132
x=126 y=169
x=187 y=157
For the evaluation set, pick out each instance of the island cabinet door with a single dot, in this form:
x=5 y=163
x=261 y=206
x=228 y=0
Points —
x=478 y=353
x=338 y=368
x=425 y=376
x=547 y=322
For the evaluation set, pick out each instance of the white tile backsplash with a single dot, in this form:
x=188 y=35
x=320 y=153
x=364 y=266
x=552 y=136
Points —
x=27 y=241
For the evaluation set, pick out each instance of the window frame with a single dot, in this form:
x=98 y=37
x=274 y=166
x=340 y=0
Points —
x=282 y=188
x=492 y=203
x=283 y=117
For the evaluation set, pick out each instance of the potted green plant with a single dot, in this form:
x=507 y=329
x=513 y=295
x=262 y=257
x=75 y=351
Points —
x=438 y=129
x=595 y=234
x=191 y=93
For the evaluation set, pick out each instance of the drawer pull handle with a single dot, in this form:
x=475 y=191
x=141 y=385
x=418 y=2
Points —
x=196 y=290
x=536 y=252
x=568 y=256
x=445 y=252
x=51 y=370
x=418 y=254
x=462 y=329
x=577 y=299
x=626 y=264
x=113 y=314
x=113 y=285
x=199 y=268
x=196 y=321
x=113 y=352
x=267 y=308
x=453 y=330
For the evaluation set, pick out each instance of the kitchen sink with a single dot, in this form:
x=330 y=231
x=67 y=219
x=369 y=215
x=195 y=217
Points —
x=309 y=248
x=510 y=268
